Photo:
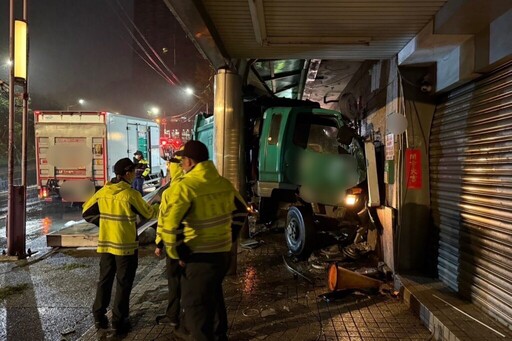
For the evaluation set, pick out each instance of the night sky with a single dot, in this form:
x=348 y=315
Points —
x=80 y=49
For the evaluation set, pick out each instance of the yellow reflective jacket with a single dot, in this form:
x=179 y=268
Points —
x=197 y=211
x=175 y=171
x=114 y=209
x=142 y=168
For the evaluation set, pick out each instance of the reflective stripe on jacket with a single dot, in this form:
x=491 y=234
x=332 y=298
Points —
x=196 y=210
x=117 y=205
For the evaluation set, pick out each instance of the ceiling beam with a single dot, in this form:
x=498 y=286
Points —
x=303 y=76
x=258 y=21
x=199 y=27
x=305 y=41
x=282 y=75
x=284 y=88
x=256 y=73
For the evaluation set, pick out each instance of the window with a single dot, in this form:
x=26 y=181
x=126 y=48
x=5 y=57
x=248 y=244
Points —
x=273 y=136
x=316 y=133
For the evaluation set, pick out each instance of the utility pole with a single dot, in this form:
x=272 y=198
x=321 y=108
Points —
x=24 y=121
x=16 y=213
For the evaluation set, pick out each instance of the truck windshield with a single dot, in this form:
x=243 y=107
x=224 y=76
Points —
x=317 y=133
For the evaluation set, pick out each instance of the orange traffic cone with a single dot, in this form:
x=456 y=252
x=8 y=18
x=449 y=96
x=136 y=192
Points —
x=340 y=279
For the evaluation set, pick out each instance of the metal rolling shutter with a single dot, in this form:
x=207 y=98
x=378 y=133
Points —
x=471 y=191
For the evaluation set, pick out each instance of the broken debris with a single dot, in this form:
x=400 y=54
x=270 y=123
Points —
x=250 y=244
x=296 y=270
x=268 y=312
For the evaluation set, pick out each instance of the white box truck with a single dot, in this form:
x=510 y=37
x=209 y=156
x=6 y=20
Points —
x=76 y=151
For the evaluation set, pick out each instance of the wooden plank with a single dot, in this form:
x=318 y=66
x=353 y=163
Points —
x=386 y=219
x=83 y=234
x=75 y=240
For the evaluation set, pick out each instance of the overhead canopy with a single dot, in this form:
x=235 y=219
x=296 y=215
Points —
x=342 y=30
x=283 y=78
x=303 y=29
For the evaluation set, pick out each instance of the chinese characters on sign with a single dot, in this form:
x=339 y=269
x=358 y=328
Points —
x=413 y=174
x=390 y=147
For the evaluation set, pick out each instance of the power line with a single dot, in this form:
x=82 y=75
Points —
x=148 y=44
x=150 y=60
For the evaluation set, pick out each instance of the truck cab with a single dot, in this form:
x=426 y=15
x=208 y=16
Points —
x=301 y=149
x=309 y=162
x=301 y=162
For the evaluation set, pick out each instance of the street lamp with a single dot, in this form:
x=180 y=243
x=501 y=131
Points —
x=189 y=91
x=154 y=111
x=80 y=102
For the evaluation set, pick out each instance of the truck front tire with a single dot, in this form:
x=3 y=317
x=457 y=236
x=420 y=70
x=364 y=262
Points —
x=300 y=231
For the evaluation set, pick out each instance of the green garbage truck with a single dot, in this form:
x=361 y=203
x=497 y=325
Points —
x=304 y=166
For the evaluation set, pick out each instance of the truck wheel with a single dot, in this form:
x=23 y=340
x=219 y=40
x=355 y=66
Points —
x=300 y=231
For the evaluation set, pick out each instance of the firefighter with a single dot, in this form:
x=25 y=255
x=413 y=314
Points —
x=114 y=209
x=198 y=232
x=173 y=269
x=142 y=170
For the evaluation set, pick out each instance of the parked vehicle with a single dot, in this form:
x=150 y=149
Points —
x=303 y=163
x=76 y=151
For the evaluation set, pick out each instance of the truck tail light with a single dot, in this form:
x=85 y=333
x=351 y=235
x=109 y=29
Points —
x=43 y=193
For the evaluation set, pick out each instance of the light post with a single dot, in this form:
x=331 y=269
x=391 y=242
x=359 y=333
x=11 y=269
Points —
x=154 y=111
x=80 y=102
x=17 y=195
x=189 y=91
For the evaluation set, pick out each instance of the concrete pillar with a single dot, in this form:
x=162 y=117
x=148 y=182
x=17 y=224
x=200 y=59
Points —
x=228 y=135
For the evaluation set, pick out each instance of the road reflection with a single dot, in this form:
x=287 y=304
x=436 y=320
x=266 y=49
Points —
x=43 y=218
x=47 y=224
x=250 y=280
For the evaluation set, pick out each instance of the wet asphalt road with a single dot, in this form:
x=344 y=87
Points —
x=54 y=294
x=42 y=218
x=49 y=295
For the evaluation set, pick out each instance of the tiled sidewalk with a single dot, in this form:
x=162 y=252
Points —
x=448 y=316
x=265 y=302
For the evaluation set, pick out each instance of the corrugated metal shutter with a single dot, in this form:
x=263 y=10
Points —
x=471 y=191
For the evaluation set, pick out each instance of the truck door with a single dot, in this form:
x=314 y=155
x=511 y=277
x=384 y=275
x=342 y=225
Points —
x=271 y=154
x=154 y=149
x=132 y=143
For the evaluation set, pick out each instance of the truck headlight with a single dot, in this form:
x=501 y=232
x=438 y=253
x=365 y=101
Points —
x=350 y=200
x=352 y=196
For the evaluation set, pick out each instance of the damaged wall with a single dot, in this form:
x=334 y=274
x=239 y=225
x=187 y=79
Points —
x=417 y=240
x=369 y=98
x=378 y=91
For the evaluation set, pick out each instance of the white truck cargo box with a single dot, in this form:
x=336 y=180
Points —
x=76 y=151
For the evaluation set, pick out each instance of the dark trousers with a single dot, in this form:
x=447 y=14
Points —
x=202 y=296
x=174 y=271
x=123 y=268
x=137 y=184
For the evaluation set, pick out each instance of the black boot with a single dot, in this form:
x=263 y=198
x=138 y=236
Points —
x=101 y=322
x=123 y=327
x=164 y=319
